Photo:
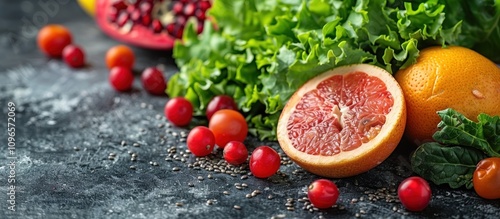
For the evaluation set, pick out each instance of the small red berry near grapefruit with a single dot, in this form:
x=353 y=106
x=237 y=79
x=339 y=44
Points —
x=200 y=141
x=414 y=193
x=121 y=78
x=179 y=111
x=323 y=193
x=264 y=162
x=343 y=122
x=235 y=153
x=74 y=56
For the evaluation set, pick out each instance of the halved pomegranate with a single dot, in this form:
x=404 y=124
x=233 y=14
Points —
x=152 y=24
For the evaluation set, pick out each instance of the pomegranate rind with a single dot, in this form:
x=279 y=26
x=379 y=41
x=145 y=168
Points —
x=139 y=36
x=365 y=157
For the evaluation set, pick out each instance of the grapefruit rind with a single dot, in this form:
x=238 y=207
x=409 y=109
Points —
x=368 y=155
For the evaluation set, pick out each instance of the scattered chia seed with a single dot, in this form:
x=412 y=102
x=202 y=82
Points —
x=155 y=164
x=270 y=197
x=124 y=143
x=176 y=169
x=237 y=207
x=76 y=148
x=190 y=184
x=209 y=202
x=290 y=208
x=226 y=193
x=179 y=204
x=133 y=167
x=136 y=145
x=210 y=176
x=200 y=178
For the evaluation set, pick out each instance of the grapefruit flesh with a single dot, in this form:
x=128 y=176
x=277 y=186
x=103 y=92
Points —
x=344 y=121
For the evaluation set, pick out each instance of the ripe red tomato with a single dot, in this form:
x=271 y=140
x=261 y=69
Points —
x=121 y=78
x=120 y=55
x=323 y=193
x=220 y=102
x=486 y=178
x=235 y=153
x=264 y=162
x=414 y=193
x=52 y=39
x=179 y=111
x=73 y=56
x=228 y=125
x=200 y=141
x=153 y=81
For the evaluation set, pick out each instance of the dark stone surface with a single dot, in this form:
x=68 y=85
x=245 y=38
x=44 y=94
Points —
x=68 y=122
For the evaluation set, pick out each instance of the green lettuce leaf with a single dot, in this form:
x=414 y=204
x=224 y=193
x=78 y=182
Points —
x=261 y=51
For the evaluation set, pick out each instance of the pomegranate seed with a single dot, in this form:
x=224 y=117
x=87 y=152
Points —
x=189 y=10
x=204 y=5
x=136 y=16
x=146 y=20
x=130 y=9
x=199 y=28
x=122 y=19
x=171 y=29
x=113 y=15
x=200 y=15
x=180 y=32
x=157 y=26
x=181 y=21
x=119 y=5
x=178 y=8
x=146 y=8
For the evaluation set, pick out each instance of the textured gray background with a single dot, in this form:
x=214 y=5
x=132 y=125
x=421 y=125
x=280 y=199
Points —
x=60 y=109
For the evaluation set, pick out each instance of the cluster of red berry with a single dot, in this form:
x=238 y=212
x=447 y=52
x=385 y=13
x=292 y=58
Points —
x=227 y=129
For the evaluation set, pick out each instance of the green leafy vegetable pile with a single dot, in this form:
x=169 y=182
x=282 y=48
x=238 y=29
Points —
x=461 y=144
x=261 y=51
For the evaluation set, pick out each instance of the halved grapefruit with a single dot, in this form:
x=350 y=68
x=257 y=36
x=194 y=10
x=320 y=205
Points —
x=343 y=122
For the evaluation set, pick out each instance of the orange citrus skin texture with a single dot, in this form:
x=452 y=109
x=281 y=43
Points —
x=453 y=77
x=366 y=156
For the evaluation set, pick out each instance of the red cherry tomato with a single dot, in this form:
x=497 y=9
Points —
x=228 y=125
x=414 y=193
x=264 y=162
x=200 y=141
x=73 y=56
x=52 y=39
x=235 y=153
x=486 y=178
x=121 y=78
x=120 y=55
x=220 y=102
x=179 y=111
x=153 y=81
x=323 y=193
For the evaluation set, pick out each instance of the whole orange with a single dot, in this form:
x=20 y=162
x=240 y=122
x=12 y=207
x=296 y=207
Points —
x=452 y=77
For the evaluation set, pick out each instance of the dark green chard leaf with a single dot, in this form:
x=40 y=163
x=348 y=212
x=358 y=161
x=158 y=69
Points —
x=456 y=129
x=452 y=165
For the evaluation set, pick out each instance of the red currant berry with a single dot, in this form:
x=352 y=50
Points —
x=73 y=56
x=323 y=193
x=179 y=111
x=121 y=78
x=235 y=153
x=264 y=162
x=220 y=102
x=153 y=81
x=200 y=141
x=414 y=193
